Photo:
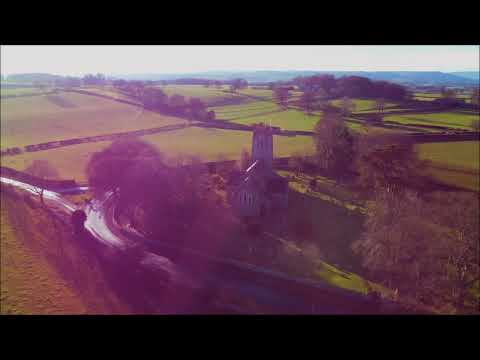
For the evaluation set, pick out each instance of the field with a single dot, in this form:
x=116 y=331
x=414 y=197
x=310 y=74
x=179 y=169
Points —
x=21 y=91
x=37 y=119
x=364 y=105
x=208 y=144
x=455 y=163
x=422 y=96
x=242 y=111
x=457 y=120
x=211 y=95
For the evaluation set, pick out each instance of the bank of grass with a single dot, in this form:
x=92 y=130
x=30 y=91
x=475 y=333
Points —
x=243 y=111
x=44 y=269
x=29 y=284
x=37 y=119
x=454 y=119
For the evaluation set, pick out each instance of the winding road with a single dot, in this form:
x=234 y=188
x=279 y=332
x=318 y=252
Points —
x=225 y=286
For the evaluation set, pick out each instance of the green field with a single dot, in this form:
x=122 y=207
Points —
x=37 y=119
x=456 y=120
x=423 y=96
x=207 y=144
x=454 y=163
x=287 y=120
x=211 y=95
x=21 y=91
x=461 y=154
x=364 y=105
x=242 y=111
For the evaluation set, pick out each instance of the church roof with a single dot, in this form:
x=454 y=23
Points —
x=259 y=176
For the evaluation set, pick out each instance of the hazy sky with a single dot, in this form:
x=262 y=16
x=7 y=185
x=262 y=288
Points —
x=79 y=60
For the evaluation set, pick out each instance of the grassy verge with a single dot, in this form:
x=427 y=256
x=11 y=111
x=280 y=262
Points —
x=44 y=271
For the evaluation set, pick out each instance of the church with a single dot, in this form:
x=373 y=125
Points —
x=258 y=193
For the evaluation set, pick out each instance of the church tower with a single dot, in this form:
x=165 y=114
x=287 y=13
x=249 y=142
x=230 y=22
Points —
x=262 y=144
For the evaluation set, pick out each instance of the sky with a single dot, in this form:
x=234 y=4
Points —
x=115 y=59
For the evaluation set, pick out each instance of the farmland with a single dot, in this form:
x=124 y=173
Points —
x=364 y=105
x=37 y=119
x=454 y=163
x=429 y=96
x=211 y=96
x=456 y=120
x=207 y=144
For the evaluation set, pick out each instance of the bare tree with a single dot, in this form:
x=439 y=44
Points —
x=281 y=95
x=334 y=144
x=427 y=247
x=380 y=105
x=42 y=170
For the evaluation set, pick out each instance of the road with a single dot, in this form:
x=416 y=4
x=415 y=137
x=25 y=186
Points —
x=227 y=286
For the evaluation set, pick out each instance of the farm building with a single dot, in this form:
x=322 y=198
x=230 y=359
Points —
x=258 y=193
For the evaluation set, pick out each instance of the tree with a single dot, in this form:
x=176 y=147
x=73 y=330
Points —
x=306 y=101
x=43 y=171
x=334 y=144
x=152 y=98
x=238 y=84
x=475 y=98
x=447 y=93
x=380 y=105
x=210 y=115
x=107 y=168
x=295 y=163
x=281 y=95
x=347 y=106
x=388 y=163
x=426 y=247
x=177 y=103
x=198 y=109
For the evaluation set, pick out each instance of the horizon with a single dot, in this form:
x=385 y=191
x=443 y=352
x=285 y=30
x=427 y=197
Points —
x=112 y=60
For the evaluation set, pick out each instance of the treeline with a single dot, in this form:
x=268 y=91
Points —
x=154 y=98
x=350 y=86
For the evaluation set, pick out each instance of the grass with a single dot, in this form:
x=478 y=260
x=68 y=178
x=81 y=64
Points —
x=45 y=270
x=30 y=285
x=37 y=119
x=242 y=111
x=211 y=95
x=208 y=144
x=454 y=163
x=363 y=105
x=21 y=91
x=455 y=120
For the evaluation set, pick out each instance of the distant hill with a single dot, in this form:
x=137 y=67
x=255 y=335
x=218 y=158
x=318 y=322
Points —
x=425 y=78
x=32 y=77
x=474 y=75
x=413 y=78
